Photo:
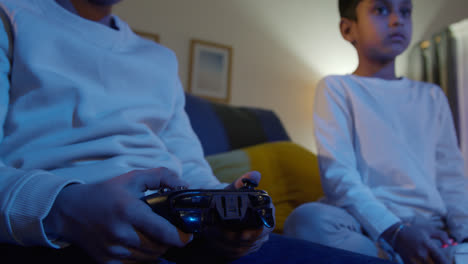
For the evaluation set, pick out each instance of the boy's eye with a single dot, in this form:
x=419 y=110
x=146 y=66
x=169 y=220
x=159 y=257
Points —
x=406 y=12
x=381 y=10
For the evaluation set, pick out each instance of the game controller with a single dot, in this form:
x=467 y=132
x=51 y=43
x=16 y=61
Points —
x=193 y=210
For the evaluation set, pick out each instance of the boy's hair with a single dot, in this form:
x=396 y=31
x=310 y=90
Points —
x=348 y=9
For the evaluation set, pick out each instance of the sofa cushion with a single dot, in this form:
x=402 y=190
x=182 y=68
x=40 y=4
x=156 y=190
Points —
x=222 y=127
x=290 y=173
x=242 y=126
x=207 y=125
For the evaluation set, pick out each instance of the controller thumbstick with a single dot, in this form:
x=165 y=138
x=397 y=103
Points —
x=249 y=184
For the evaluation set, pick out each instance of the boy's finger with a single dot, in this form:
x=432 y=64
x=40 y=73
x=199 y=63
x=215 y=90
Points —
x=253 y=175
x=441 y=236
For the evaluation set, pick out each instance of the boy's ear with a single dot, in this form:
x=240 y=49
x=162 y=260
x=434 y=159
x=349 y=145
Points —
x=346 y=29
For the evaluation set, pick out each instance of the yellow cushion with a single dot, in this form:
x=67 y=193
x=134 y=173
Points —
x=290 y=173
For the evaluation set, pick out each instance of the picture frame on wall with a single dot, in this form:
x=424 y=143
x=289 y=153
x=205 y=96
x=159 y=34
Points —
x=151 y=36
x=210 y=70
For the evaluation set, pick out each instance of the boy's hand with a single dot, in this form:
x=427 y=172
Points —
x=110 y=222
x=233 y=245
x=421 y=242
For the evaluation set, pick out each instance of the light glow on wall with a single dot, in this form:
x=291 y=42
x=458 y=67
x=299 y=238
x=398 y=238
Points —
x=307 y=31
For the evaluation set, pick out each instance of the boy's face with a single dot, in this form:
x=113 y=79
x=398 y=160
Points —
x=383 y=28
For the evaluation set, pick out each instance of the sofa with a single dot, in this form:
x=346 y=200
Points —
x=240 y=139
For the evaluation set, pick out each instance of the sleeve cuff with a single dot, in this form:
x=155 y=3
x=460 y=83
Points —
x=32 y=204
x=377 y=221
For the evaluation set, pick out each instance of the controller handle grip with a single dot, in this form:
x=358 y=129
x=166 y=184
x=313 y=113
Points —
x=159 y=204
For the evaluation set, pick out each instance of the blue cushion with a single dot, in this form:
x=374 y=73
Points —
x=207 y=125
x=272 y=126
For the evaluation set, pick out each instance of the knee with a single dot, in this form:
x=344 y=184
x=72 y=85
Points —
x=310 y=218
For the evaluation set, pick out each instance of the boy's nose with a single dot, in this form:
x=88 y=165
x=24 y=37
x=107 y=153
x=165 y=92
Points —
x=396 y=19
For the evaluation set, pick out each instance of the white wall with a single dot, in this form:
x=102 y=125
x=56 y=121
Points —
x=281 y=47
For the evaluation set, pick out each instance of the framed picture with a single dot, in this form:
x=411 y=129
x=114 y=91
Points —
x=210 y=70
x=150 y=36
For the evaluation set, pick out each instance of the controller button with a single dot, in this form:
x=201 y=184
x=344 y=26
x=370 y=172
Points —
x=259 y=200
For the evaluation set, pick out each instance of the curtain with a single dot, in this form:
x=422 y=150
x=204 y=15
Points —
x=445 y=69
x=443 y=60
x=460 y=46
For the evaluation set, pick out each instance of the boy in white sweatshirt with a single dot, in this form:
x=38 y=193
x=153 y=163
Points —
x=390 y=165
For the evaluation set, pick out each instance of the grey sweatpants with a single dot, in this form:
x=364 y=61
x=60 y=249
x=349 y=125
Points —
x=335 y=227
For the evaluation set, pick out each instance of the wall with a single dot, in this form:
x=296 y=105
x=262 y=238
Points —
x=281 y=48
